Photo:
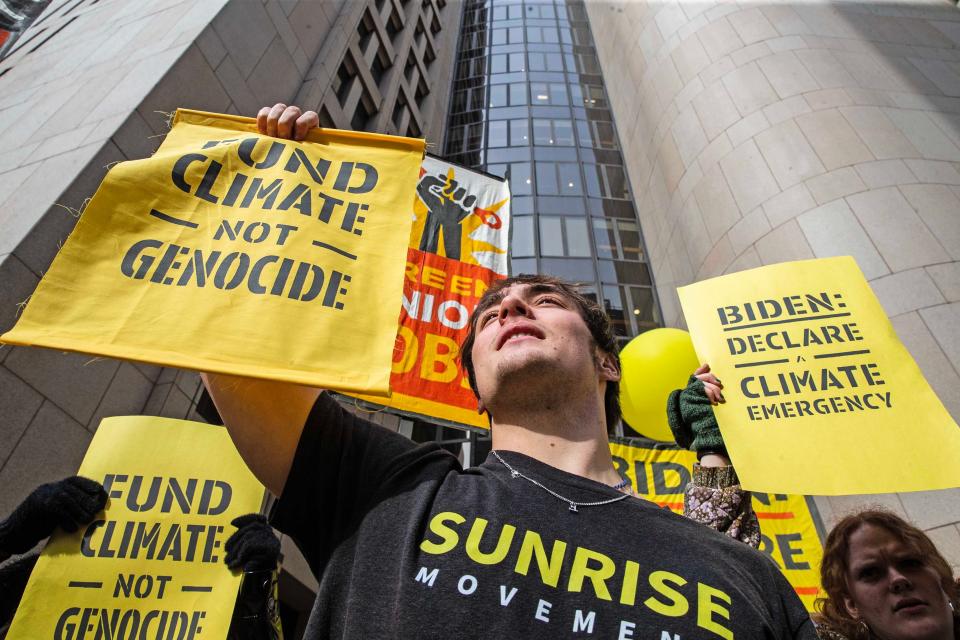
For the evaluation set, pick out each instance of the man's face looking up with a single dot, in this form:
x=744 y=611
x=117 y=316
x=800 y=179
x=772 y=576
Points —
x=530 y=340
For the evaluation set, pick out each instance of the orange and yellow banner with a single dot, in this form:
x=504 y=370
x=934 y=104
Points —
x=788 y=533
x=458 y=246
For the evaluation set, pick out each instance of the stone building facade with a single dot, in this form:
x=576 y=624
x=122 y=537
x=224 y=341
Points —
x=762 y=132
x=92 y=83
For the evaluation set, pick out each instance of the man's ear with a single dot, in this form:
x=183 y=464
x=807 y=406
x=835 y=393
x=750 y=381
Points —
x=608 y=367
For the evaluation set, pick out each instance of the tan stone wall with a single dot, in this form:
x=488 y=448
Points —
x=761 y=132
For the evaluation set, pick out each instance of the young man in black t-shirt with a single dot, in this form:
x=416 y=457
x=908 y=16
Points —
x=539 y=541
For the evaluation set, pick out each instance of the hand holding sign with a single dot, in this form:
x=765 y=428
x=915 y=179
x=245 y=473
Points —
x=66 y=504
x=691 y=418
x=290 y=122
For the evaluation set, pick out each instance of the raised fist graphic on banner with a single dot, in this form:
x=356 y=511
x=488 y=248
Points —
x=448 y=205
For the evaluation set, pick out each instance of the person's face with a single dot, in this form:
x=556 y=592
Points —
x=533 y=335
x=893 y=590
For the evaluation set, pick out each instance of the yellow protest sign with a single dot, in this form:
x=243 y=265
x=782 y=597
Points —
x=232 y=252
x=788 y=531
x=821 y=396
x=151 y=565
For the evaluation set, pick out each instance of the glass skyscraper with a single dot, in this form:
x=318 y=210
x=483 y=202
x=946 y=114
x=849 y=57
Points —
x=529 y=103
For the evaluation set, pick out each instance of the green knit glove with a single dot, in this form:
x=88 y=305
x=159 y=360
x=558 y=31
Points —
x=692 y=421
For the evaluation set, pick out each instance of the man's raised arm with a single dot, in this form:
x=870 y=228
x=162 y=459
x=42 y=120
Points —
x=265 y=419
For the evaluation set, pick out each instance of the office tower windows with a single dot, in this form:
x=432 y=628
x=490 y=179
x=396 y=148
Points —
x=529 y=103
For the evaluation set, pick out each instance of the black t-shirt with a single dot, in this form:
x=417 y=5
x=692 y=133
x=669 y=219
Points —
x=406 y=544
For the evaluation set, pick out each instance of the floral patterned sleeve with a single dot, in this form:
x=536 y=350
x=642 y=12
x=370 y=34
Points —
x=715 y=498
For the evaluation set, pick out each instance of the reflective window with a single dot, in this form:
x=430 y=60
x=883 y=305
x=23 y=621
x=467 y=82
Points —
x=547 y=179
x=549 y=130
x=539 y=92
x=564 y=236
x=523 y=265
x=521 y=178
x=522 y=240
x=498 y=96
x=459 y=102
x=573 y=269
x=521 y=205
x=560 y=205
x=618 y=239
x=581 y=36
x=592 y=180
x=605 y=138
x=558 y=93
x=455 y=140
x=518 y=94
x=563 y=133
x=584 y=133
x=576 y=12
x=614 y=301
x=588 y=63
x=569 y=179
x=476 y=98
x=616 y=181
x=593 y=96
x=576 y=94
x=630 y=247
x=551 y=236
x=520 y=133
x=497 y=134
x=475 y=136
x=605 y=238
x=542 y=131
x=578 y=240
x=631 y=309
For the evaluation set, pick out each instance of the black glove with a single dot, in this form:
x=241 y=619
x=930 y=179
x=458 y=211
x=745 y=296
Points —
x=253 y=546
x=692 y=421
x=67 y=504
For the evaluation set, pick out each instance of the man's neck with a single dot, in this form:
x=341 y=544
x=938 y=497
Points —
x=577 y=446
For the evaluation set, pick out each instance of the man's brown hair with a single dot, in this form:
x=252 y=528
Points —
x=592 y=313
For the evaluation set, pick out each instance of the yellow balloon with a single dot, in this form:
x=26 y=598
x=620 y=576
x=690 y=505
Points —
x=654 y=364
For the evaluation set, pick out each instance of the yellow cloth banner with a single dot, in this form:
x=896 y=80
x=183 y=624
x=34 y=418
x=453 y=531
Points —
x=821 y=396
x=232 y=252
x=151 y=565
x=788 y=532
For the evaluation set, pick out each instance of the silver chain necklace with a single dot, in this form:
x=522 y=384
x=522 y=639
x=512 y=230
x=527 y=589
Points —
x=573 y=503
